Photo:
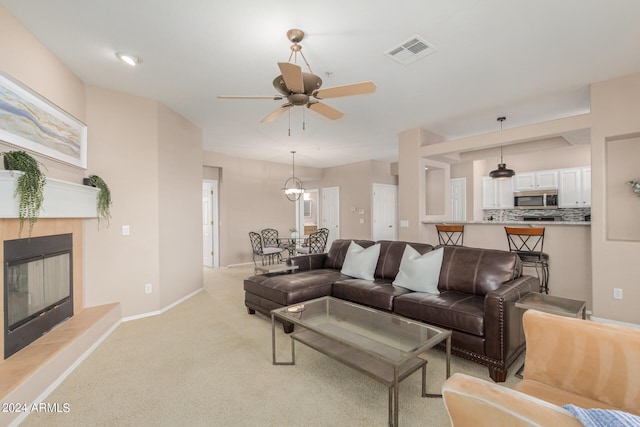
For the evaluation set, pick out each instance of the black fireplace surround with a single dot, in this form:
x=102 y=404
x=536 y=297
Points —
x=38 y=288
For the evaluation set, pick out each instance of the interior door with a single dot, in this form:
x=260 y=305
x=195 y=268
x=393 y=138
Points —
x=331 y=212
x=458 y=199
x=210 y=223
x=385 y=212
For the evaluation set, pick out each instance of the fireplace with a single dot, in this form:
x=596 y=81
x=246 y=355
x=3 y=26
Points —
x=38 y=288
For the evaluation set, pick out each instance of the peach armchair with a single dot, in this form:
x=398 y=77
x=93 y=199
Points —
x=568 y=361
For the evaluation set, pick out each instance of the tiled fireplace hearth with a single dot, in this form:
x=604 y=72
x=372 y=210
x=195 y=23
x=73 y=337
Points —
x=32 y=372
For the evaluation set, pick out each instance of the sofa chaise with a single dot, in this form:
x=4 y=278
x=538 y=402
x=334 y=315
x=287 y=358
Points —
x=475 y=297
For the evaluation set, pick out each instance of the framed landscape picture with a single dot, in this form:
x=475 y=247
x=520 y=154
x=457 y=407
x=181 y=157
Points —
x=31 y=122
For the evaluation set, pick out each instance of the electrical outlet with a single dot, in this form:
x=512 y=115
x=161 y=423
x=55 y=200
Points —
x=126 y=230
x=617 y=293
x=148 y=288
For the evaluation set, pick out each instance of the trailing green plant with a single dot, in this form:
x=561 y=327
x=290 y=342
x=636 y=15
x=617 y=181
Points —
x=103 y=198
x=29 y=187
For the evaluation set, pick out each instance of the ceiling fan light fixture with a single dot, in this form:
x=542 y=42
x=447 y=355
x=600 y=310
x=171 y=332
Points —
x=304 y=89
x=502 y=172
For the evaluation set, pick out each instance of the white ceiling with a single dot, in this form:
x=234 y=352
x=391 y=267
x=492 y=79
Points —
x=528 y=60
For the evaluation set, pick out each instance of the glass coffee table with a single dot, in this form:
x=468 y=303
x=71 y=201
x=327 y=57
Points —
x=382 y=345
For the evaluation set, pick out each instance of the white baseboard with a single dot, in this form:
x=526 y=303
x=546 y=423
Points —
x=614 y=322
x=243 y=264
x=169 y=307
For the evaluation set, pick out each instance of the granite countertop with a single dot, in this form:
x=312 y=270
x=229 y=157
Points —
x=496 y=222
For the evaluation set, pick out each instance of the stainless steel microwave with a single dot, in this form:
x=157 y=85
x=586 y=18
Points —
x=536 y=199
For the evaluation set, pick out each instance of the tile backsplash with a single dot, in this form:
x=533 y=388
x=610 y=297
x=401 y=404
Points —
x=574 y=215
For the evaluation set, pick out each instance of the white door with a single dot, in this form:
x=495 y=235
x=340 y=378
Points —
x=458 y=199
x=331 y=212
x=210 y=223
x=384 y=215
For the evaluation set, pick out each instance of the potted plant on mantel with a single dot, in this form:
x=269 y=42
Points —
x=103 y=198
x=30 y=185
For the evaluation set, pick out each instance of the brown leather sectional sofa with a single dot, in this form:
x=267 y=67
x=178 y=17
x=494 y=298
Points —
x=478 y=289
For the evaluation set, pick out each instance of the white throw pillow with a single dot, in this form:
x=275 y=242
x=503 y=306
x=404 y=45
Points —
x=360 y=262
x=420 y=273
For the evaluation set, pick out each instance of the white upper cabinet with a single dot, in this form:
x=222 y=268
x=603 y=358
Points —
x=497 y=193
x=574 y=190
x=539 y=180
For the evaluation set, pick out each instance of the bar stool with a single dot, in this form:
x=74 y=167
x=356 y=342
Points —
x=450 y=235
x=528 y=243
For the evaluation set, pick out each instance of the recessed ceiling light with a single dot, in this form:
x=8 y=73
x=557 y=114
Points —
x=129 y=59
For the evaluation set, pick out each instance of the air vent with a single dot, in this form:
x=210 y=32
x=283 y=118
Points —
x=410 y=51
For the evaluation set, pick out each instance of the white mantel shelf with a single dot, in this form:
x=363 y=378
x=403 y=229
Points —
x=62 y=199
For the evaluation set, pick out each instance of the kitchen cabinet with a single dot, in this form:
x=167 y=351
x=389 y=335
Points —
x=538 y=180
x=497 y=193
x=574 y=188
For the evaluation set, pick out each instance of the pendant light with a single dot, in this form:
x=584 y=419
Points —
x=502 y=172
x=293 y=186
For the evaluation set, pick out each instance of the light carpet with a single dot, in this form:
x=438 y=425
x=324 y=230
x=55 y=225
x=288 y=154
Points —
x=206 y=362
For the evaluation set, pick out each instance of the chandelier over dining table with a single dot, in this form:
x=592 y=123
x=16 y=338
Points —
x=292 y=188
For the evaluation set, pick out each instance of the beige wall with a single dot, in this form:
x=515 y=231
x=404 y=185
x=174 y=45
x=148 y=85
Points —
x=251 y=198
x=180 y=205
x=123 y=150
x=149 y=156
x=615 y=105
x=356 y=181
x=409 y=175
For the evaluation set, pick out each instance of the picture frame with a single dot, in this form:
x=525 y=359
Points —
x=32 y=122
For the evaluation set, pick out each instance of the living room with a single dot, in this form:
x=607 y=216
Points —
x=153 y=160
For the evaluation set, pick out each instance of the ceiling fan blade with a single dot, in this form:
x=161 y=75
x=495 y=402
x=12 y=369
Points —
x=325 y=110
x=271 y=117
x=346 y=90
x=292 y=75
x=274 y=97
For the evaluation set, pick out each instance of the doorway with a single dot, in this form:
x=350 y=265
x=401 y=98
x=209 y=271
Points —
x=210 y=256
x=308 y=212
x=331 y=212
x=385 y=212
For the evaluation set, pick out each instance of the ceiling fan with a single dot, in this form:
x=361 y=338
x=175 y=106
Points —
x=303 y=89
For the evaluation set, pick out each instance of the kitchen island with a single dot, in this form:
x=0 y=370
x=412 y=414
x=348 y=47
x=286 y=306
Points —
x=568 y=244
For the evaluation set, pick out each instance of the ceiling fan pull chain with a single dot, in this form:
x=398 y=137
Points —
x=289 y=121
x=304 y=116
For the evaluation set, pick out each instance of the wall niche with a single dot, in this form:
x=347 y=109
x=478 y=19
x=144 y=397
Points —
x=622 y=204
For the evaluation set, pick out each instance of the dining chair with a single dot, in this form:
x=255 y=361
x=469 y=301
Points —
x=316 y=243
x=450 y=235
x=270 y=237
x=268 y=255
x=528 y=243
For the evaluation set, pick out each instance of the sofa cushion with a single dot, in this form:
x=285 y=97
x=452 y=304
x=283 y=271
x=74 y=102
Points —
x=558 y=396
x=391 y=255
x=420 y=273
x=360 y=262
x=338 y=251
x=451 y=310
x=378 y=293
x=477 y=271
x=287 y=289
